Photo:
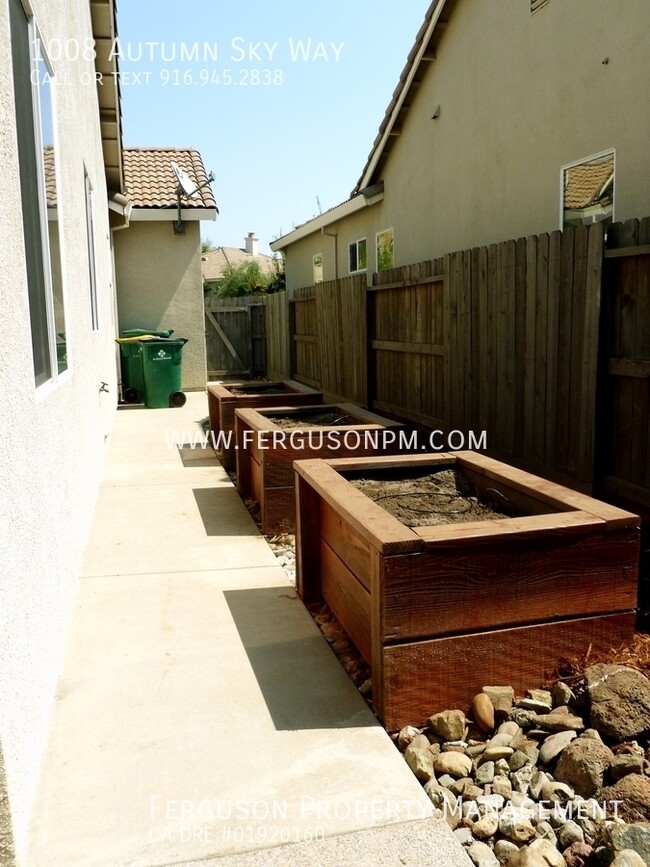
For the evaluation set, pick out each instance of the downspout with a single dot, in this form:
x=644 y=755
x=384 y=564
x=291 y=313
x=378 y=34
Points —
x=336 y=250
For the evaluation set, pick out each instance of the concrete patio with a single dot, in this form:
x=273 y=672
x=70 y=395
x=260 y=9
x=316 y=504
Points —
x=201 y=718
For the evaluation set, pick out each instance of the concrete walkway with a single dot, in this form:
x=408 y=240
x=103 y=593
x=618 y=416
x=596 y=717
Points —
x=200 y=714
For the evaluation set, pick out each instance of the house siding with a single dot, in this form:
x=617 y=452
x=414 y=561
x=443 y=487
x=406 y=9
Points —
x=53 y=443
x=520 y=96
x=160 y=286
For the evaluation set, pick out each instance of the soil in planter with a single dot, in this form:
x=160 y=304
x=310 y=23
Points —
x=442 y=497
x=322 y=419
x=257 y=389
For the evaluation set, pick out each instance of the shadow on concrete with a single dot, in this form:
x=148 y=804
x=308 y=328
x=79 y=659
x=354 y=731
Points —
x=198 y=456
x=7 y=850
x=303 y=684
x=223 y=513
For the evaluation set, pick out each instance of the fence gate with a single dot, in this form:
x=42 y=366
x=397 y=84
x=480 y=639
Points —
x=624 y=454
x=235 y=337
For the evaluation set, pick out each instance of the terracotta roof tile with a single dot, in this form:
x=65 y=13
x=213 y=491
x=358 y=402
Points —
x=214 y=262
x=151 y=183
x=585 y=182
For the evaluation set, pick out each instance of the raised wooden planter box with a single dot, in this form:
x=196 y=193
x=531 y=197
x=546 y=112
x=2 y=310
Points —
x=266 y=452
x=222 y=404
x=441 y=611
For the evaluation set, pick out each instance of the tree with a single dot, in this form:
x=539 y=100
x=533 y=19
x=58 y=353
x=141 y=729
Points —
x=207 y=245
x=246 y=278
x=277 y=279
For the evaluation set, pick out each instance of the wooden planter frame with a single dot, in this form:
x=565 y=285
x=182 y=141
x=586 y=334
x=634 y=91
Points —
x=265 y=468
x=441 y=611
x=222 y=404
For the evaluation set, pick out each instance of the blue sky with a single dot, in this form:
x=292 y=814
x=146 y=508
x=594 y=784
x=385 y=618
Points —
x=280 y=132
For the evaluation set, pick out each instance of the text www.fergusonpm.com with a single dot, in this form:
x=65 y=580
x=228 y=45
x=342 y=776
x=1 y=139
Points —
x=376 y=440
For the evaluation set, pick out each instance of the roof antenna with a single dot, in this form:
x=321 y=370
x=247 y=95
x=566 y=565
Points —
x=189 y=189
x=320 y=210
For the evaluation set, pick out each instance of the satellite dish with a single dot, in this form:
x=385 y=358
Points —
x=185 y=182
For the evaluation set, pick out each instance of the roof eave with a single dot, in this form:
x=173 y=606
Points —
x=160 y=215
x=345 y=209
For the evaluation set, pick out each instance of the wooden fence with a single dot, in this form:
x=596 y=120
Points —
x=507 y=339
x=278 y=364
x=235 y=337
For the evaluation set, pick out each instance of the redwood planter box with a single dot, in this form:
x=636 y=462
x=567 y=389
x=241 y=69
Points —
x=440 y=611
x=266 y=451
x=222 y=404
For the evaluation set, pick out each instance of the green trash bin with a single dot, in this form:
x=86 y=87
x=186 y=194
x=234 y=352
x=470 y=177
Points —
x=161 y=363
x=133 y=384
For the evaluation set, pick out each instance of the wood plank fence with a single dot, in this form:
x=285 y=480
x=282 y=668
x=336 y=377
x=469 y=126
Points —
x=235 y=337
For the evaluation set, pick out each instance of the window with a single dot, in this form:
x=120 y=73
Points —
x=90 y=233
x=358 y=256
x=385 y=244
x=587 y=191
x=318 y=268
x=37 y=155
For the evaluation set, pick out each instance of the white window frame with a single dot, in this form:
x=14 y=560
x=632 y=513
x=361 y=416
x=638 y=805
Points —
x=314 y=266
x=383 y=232
x=92 y=251
x=56 y=378
x=599 y=155
x=355 y=244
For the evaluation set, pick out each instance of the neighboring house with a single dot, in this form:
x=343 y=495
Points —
x=60 y=148
x=214 y=262
x=509 y=119
x=158 y=268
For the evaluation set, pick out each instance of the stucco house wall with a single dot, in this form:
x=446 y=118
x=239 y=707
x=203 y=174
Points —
x=160 y=286
x=520 y=95
x=53 y=441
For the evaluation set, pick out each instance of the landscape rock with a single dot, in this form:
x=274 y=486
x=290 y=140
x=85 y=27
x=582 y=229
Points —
x=516 y=827
x=624 y=764
x=527 y=857
x=448 y=725
x=493 y=754
x=537 y=706
x=553 y=746
x=569 y=834
x=583 y=765
x=464 y=836
x=521 y=779
x=633 y=792
x=486 y=826
x=455 y=764
x=517 y=760
x=523 y=718
x=406 y=735
x=635 y=837
x=482 y=855
x=620 y=701
x=628 y=858
x=483 y=712
x=502 y=786
x=545 y=832
x=578 y=855
x=555 y=791
x=502 y=697
x=562 y=694
x=558 y=722
x=548 y=851
x=504 y=850
x=420 y=760
x=445 y=802
x=485 y=774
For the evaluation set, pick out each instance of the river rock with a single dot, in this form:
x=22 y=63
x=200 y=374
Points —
x=509 y=728
x=516 y=827
x=562 y=694
x=486 y=826
x=628 y=858
x=483 y=712
x=521 y=779
x=502 y=697
x=448 y=725
x=556 y=792
x=620 y=701
x=583 y=765
x=493 y=754
x=578 y=855
x=633 y=792
x=558 y=722
x=548 y=851
x=624 y=764
x=502 y=786
x=482 y=855
x=464 y=836
x=553 y=746
x=569 y=834
x=527 y=858
x=445 y=802
x=406 y=735
x=634 y=837
x=537 y=706
x=504 y=850
x=485 y=774
x=456 y=764
x=420 y=759
x=517 y=760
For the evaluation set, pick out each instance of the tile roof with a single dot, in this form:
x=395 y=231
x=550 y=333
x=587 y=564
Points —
x=151 y=183
x=214 y=262
x=584 y=183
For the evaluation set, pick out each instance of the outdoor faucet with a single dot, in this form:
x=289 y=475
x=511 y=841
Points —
x=103 y=387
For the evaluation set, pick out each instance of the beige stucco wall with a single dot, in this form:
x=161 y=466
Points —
x=521 y=96
x=52 y=443
x=159 y=285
